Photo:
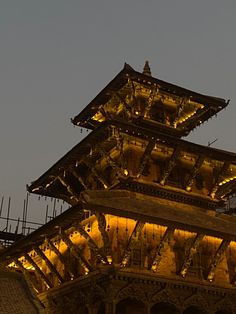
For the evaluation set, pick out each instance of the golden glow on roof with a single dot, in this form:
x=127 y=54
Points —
x=227 y=180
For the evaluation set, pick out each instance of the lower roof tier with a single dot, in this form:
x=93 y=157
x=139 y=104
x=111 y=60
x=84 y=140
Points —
x=128 y=231
x=120 y=155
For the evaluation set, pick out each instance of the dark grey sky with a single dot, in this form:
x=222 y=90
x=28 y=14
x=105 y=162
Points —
x=56 y=55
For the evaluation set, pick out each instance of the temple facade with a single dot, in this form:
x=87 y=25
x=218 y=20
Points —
x=145 y=231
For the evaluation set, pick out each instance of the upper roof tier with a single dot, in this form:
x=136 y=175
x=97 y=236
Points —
x=140 y=98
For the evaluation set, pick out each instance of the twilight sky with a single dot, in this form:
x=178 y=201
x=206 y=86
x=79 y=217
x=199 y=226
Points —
x=57 y=55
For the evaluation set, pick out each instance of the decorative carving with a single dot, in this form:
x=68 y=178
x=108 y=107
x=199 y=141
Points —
x=69 y=188
x=49 y=264
x=76 y=251
x=135 y=236
x=199 y=300
x=79 y=178
x=166 y=295
x=60 y=257
x=189 y=251
x=95 y=173
x=217 y=258
x=38 y=271
x=168 y=233
x=133 y=291
x=151 y=100
x=219 y=178
x=102 y=228
x=227 y=304
x=170 y=165
x=145 y=157
x=92 y=245
x=195 y=171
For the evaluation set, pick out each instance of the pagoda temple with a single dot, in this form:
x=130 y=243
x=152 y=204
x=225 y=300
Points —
x=144 y=233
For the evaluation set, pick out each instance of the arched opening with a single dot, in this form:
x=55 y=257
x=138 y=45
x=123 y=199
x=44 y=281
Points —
x=164 y=308
x=194 y=310
x=130 y=306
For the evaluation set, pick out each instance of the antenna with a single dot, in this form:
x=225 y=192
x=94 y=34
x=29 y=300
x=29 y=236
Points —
x=210 y=143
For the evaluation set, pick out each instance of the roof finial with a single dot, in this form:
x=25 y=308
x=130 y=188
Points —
x=146 y=69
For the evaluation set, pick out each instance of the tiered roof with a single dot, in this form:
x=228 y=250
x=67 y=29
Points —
x=148 y=101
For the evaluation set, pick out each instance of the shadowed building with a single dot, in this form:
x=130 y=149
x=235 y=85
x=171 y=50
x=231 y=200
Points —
x=142 y=234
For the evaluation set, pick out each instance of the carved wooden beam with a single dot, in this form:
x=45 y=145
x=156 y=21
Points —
x=161 y=248
x=134 y=238
x=27 y=275
x=170 y=166
x=189 y=252
x=69 y=188
x=226 y=188
x=110 y=161
x=219 y=178
x=145 y=157
x=49 y=264
x=132 y=89
x=106 y=241
x=179 y=110
x=76 y=251
x=79 y=178
x=105 y=113
x=92 y=245
x=60 y=257
x=151 y=100
x=217 y=259
x=195 y=171
x=120 y=148
x=38 y=270
x=127 y=106
x=95 y=173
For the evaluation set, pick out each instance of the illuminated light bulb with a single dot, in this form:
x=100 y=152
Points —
x=36 y=189
x=188 y=188
x=126 y=172
x=109 y=259
x=136 y=112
